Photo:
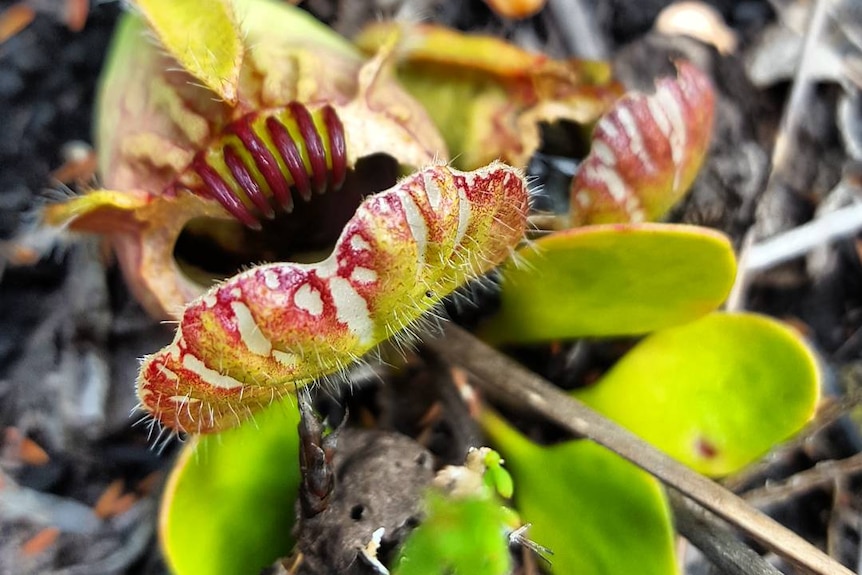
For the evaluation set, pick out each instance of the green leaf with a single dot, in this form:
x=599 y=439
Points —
x=461 y=536
x=716 y=393
x=598 y=513
x=612 y=280
x=203 y=37
x=228 y=507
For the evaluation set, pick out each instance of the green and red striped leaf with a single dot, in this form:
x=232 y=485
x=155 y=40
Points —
x=646 y=152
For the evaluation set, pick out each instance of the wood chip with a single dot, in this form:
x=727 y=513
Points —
x=40 y=541
x=79 y=170
x=149 y=483
x=697 y=20
x=76 y=14
x=14 y=19
x=23 y=449
x=31 y=453
x=516 y=9
x=123 y=504
x=107 y=502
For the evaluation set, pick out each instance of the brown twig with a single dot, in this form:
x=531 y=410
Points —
x=715 y=541
x=822 y=474
x=507 y=381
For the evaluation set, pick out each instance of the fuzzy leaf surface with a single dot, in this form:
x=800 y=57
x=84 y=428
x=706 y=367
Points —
x=274 y=328
x=204 y=37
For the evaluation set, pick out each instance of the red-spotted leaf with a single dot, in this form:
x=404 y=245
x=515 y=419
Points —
x=611 y=280
x=273 y=328
x=228 y=506
x=716 y=393
x=645 y=152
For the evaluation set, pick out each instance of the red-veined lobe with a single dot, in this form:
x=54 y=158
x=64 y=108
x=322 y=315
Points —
x=264 y=157
x=273 y=328
x=645 y=152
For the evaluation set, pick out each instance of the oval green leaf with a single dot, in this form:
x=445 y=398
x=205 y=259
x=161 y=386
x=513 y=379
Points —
x=203 y=37
x=598 y=513
x=716 y=393
x=624 y=279
x=228 y=506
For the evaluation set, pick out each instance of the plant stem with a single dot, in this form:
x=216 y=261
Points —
x=507 y=381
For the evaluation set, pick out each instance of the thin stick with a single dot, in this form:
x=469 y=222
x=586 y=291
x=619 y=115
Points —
x=821 y=475
x=783 y=247
x=720 y=546
x=508 y=381
x=577 y=25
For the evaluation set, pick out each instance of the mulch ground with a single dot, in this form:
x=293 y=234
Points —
x=79 y=483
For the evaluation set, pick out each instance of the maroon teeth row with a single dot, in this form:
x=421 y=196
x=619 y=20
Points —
x=304 y=151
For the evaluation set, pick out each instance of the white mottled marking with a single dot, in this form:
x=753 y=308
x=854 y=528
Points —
x=284 y=358
x=351 y=309
x=417 y=226
x=358 y=243
x=668 y=102
x=249 y=331
x=363 y=275
x=236 y=292
x=463 y=215
x=383 y=207
x=271 y=279
x=657 y=114
x=210 y=300
x=183 y=399
x=636 y=143
x=167 y=373
x=677 y=138
x=327 y=268
x=208 y=375
x=609 y=129
x=612 y=180
x=175 y=348
x=308 y=298
x=634 y=208
x=604 y=153
x=583 y=198
x=432 y=190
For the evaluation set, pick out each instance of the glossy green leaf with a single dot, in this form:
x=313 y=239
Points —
x=599 y=514
x=228 y=507
x=463 y=536
x=716 y=393
x=612 y=280
x=204 y=37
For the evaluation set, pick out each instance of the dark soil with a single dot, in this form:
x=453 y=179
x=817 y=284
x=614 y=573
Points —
x=70 y=333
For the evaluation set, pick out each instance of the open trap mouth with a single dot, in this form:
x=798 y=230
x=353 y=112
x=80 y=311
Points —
x=210 y=249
